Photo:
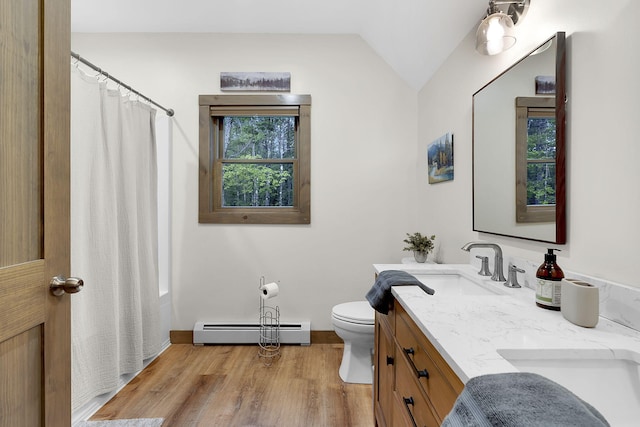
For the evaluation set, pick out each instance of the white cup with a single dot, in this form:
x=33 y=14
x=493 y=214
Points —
x=580 y=302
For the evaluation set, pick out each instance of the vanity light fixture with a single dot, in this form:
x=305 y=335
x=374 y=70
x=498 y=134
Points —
x=496 y=31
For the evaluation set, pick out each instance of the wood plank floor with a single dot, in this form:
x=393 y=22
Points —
x=230 y=386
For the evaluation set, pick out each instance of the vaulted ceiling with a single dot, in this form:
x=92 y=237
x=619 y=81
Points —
x=413 y=36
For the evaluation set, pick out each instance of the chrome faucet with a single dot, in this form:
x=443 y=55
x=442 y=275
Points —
x=512 y=281
x=484 y=269
x=498 y=275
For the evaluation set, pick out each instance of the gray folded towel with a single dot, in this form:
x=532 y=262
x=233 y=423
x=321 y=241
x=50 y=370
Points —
x=379 y=296
x=520 y=399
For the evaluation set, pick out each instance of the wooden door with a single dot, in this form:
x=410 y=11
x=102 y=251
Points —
x=35 y=368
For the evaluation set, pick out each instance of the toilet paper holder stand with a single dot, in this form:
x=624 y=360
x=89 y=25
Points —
x=269 y=341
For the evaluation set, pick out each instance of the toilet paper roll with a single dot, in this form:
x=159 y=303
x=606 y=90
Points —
x=580 y=302
x=269 y=290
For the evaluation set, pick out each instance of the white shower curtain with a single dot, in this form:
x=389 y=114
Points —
x=114 y=236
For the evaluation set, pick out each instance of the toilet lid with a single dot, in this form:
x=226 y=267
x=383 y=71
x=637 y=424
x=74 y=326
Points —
x=355 y=312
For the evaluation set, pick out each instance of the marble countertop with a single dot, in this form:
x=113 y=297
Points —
x=469 y=331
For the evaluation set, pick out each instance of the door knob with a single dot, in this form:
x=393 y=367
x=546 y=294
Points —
x=59 y=285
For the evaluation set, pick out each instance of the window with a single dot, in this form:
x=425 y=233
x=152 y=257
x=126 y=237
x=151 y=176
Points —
x=535 y=160
x=255 y=159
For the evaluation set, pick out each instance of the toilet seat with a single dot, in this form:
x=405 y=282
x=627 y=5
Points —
x=357 y=312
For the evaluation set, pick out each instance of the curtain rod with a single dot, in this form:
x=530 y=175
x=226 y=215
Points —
x=169 y=111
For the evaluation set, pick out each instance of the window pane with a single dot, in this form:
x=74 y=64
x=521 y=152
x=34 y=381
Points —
x=257 y=185
x=259 y=137
x=541 y=183
x=541 y=140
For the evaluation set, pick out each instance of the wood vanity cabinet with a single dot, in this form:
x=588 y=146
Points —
x=413 y=385
x=384 y=368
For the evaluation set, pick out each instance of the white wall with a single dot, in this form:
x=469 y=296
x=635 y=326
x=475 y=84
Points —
x=363 y=167
x=603 y=126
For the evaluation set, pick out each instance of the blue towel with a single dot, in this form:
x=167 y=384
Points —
x=520 y=399
x=379 y=296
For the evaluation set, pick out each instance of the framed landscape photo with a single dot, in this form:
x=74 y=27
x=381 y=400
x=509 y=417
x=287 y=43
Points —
x=255 y=82
x=440 y=159
x=545 y=85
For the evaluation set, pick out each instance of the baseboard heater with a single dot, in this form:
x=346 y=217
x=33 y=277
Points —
x=248 y=333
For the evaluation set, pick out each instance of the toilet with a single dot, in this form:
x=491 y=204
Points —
x=354 y=323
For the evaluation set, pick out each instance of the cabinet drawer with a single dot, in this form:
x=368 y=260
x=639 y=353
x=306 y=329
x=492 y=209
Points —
x=439 y=383
x=410 y=403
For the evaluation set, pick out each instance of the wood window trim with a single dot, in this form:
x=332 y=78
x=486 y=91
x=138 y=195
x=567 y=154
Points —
x=525 y=108
x=210 y=209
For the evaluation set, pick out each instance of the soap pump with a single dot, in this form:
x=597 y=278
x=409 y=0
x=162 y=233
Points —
x=548 y=282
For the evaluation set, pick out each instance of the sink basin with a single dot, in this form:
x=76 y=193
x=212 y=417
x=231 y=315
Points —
x=608 y=379
x=454 y=285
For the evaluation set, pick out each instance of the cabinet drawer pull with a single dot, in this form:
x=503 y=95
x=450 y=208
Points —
x=420 y=373
x=389 y=360
x=409 y=401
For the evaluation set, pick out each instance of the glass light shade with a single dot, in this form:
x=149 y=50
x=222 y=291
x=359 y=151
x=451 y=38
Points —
x=495 y=34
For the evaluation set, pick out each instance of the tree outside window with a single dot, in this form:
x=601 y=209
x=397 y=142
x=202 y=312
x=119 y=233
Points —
x=254 y=154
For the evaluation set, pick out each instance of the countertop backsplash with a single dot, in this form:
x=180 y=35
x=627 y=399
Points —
x=618 y=303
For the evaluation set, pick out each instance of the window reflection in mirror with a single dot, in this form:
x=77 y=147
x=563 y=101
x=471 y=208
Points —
x=535 y=159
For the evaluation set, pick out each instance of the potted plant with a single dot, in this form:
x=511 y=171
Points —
x=420 y=245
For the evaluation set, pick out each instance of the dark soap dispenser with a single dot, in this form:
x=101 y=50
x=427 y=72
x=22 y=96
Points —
x=548 y=283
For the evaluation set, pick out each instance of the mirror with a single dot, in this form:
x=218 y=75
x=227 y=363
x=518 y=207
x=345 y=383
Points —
x=519 y=148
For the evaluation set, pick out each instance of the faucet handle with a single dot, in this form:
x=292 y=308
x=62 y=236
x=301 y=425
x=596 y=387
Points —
x=512 y=281
x=484 y=270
